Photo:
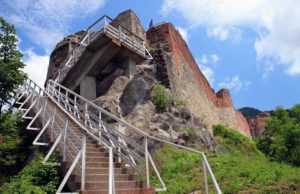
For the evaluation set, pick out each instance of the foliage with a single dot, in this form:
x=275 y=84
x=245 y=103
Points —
x=281 y=140
x=190 y=131
x=249 y=112
x=235 y=171
x=161 y=98
x=11 y=149
x=11 y=75
x=35 y=178
x=230 y=138
x=179 y=102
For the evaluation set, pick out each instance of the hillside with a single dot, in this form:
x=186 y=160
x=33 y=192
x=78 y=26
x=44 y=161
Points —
x=250 y=112
x=238 y=166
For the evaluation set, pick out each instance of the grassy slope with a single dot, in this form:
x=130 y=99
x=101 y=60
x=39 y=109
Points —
x=240 y=168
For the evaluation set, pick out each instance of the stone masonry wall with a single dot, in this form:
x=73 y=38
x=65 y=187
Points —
x=129 y=20
x=189 y=84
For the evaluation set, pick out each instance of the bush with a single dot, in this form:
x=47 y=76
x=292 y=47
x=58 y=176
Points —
x=35 y=178
x=161 y=98
x=12 y=149
x=281 y=139
x=235 y=141
x=191 y=133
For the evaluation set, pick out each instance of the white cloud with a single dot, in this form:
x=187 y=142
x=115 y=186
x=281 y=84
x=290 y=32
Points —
x=275 y=22
x=218 y=33
x=46 y=22
x=234 y=83
x=36 y=66
x=215 y=58
x=183 y=32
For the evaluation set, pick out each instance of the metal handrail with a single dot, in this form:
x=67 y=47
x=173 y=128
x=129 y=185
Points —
x=59 y=95
x=52 y=84
x=129 y=39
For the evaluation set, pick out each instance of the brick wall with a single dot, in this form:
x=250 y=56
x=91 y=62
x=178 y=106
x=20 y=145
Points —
x=189 y=84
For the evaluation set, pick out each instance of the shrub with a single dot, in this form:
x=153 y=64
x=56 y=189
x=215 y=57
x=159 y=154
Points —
x=191 y=133
x=161 y=98
x=234 y=140
x=179 y=102
x=281 y=139
x=12 y=149
x=34 y=178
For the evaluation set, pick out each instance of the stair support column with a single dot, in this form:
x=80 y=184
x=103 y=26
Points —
x=147 y=162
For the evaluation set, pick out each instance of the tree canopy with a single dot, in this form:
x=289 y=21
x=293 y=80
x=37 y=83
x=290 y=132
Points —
x=281 y=140
x=11 y=74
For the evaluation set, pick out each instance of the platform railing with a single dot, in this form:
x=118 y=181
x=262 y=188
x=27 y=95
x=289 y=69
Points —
x=103 y=26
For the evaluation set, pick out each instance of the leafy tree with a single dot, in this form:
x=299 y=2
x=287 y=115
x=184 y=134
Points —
x=11 y=74
x=35 y=178
x=250 y=112
x=281 y=140
x=11 y=143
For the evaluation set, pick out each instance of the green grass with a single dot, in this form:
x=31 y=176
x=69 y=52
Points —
x=239 y=168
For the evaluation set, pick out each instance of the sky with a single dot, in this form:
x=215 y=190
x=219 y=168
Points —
x=251 y=47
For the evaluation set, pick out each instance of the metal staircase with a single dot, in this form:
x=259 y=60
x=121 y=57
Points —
x=96 y=155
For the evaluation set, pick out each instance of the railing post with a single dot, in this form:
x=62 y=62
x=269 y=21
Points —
x=83 y=162
x=111 y=185
x=58 y=98
x=204 y=176
x=120 y=33
x=52 y=125
x=147 y=162
x=85 y=114
x=65 y=141
x=44 y=110
x=119 y=148
x=66 y=100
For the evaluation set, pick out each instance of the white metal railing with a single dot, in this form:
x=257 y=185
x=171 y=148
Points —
x=108 y=127
x=100 y=27
x=101 y=125
x=66 y=140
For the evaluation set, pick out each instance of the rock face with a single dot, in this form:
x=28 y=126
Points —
x=257 y=124
x=62 y=52
x=189 y=84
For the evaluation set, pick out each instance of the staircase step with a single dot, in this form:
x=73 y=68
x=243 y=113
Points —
x=122 y=191
x=101 y=164
x=105 y=177
x=93 y=170
x=93 y=185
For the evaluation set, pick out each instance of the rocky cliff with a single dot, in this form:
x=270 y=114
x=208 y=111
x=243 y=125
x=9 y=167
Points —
x=187 y=83
x=257 y=123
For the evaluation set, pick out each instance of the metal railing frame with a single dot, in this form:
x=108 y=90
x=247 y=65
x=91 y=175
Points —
x=54 y=91
x=126 y=37
x=40 y=98
x=52 y=87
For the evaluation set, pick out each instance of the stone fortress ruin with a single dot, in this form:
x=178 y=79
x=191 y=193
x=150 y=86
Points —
x=118 y=75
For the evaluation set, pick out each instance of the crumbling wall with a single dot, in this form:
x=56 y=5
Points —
x=129 y=20
x=190 y=85
x=62 y=52
x=257 y=124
